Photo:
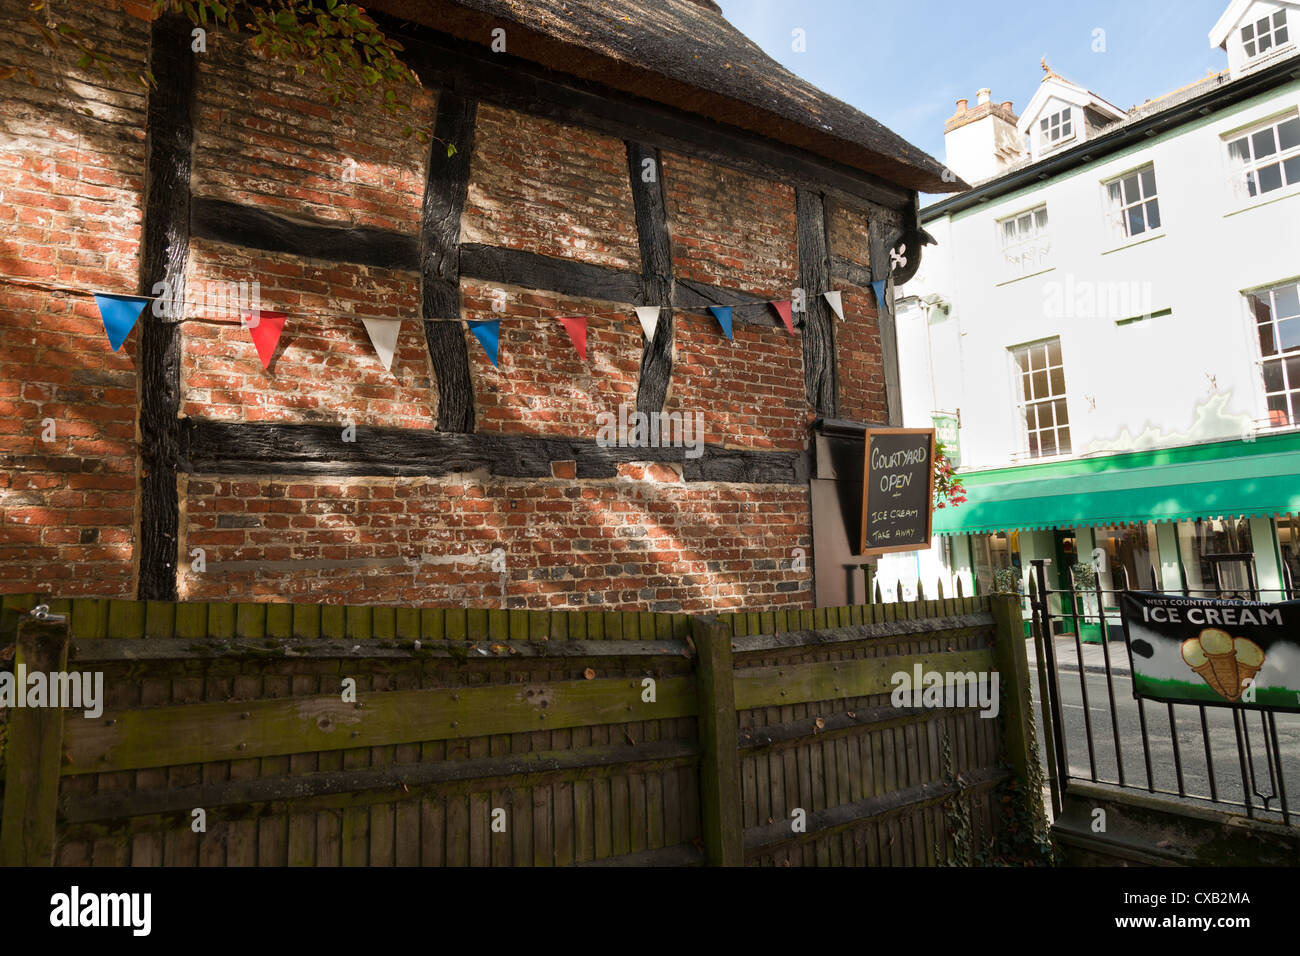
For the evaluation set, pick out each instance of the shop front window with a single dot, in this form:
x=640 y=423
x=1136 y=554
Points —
x=994 y=553
x=1131 y=553
x=1200 y=540
x=1288 y=539
x=946 y=566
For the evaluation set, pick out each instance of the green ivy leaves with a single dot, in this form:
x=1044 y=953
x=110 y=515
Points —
x=336 y=40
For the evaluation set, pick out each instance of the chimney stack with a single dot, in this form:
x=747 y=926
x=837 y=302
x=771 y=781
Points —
x=983 y=142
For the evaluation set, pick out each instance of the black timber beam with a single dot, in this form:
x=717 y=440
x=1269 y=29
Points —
x=251 y=228
x=748 y=309
x=819 y=365
x=237 y=448
x=849 y=271
x=169 y=134
x=882 y=238
x=241 y=225
x=645 y=175
x=439 y=258
x=531 y=270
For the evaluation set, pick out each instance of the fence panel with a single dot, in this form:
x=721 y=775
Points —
x=832 y=772
x=272 y=735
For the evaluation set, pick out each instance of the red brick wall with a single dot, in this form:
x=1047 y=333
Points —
x=857 y=338
x=737 y=231
x=542 y=387
x=557 y=191
x=850 y=234
x=550 y=189
x=729 y=228
x=645 y=540
x=69 y=224
x=325 y=368
x=277 y=144
x=750 y=390
x=857 y=344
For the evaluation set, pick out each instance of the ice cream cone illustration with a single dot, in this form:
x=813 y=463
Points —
x=1195 y=658
x=1218 y=649
x=1224 y=662
x=1250 y=658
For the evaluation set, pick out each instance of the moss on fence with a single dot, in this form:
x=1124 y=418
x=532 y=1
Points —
x=91 y=618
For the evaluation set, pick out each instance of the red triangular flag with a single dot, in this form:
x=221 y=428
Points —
x=783 y=309
x=577 y=329
x=265 y=328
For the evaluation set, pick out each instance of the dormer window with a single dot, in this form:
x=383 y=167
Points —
x=1056 y=128
x=1264 y=34
x=1062 y=114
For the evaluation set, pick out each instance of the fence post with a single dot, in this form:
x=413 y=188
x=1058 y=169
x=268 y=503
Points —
x=1013 y=668
x=720 y=800
x=33 y=751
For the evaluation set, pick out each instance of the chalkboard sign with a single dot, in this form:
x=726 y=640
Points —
x=897 y=490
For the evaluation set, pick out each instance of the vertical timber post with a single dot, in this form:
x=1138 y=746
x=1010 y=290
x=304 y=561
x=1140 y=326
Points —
x=881 y=234
x=656 y=272
x=445 y=191
x=1017 y=700
x=720 y=802
x=820 y=364
x=33 y=752
x=164 y=257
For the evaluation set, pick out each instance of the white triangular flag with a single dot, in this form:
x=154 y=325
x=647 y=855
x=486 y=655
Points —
x=383 y=336
x=834 y=299
x=649 y=316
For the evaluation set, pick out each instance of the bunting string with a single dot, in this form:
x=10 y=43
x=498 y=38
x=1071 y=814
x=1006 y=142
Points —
x=120 y=313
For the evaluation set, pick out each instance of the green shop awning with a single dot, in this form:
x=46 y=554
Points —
x=1216 y=479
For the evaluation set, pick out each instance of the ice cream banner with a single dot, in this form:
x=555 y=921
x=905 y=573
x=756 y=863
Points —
x=1213 y=651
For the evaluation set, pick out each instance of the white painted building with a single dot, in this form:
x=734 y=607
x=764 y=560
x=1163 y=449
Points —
x=1114 y=312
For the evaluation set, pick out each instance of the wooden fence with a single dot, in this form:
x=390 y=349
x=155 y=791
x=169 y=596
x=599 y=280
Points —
x=479 y=737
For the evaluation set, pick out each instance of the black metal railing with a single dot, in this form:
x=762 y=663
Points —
x=1158 y=734
x=907 y=591
x=954 y=586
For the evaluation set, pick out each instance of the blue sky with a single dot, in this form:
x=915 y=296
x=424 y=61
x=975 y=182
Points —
x=907 y=62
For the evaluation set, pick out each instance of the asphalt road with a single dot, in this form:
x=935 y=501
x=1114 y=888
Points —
x=1224 y=750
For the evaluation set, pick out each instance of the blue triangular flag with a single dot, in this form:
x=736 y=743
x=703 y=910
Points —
x=488 y=335
x=723 y=314
x=119 y=313
x=878 y=287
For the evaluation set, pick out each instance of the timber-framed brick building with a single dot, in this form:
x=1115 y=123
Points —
x=179 y=468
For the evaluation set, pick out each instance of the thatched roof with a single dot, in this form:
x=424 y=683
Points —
x=684 y=54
